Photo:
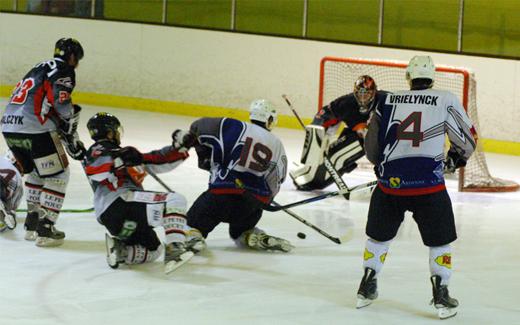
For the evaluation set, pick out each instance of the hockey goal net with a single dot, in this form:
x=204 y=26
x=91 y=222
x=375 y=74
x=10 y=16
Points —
x=337 y=77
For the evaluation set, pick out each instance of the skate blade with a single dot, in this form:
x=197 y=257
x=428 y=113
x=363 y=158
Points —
x=171 y=266
x=48 y=242
x=445 y=312
x=363 y=302
x=30 y=235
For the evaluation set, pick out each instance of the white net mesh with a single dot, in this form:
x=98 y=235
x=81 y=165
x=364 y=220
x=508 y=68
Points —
x=337 y=77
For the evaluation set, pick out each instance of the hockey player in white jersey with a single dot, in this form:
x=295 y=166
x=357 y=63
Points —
x=39 y=117
x=11 y=191
x=128 y=212
x=247 y=165
x=405 y=141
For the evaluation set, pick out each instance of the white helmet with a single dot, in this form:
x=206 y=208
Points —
x=420 y=66
x=263 y=111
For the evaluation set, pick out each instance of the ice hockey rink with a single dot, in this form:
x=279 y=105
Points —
x=314 y=284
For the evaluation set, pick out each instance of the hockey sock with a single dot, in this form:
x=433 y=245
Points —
x=174 y=227
x=375 y=254
x=440 y=262
x=137 y=254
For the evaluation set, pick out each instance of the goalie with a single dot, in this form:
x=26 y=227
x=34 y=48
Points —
x=354 y=110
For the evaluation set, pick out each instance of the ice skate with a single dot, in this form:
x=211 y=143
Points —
x=367 y=291
x=30 y=225
x=7 y=221
x=259 y=240
x=116 y=251
x=175 y=255
x=446 y=306
x=195 y=241
x=48 y=235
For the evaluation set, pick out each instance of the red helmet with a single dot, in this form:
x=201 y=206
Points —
x=364 y=91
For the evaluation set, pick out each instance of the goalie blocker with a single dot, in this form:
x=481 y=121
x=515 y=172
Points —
x=311 y=173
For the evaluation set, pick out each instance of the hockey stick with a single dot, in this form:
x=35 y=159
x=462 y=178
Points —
x=278 y=207
x=308 y=224
x=154 y=175
x=336 y=177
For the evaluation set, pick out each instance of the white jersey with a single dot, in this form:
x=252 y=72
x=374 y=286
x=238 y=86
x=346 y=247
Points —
x=241 y=157
x=11 y=188
x=407 y=135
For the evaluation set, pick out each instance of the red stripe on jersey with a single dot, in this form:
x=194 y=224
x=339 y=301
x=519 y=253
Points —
x=332 y=122
x=170 y=157
x=92 y=170
x=263 y=199
x=45 y=89
x=174 y=215
x=412 y=191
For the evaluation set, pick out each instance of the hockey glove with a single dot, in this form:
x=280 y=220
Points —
x=183 y=139
x=453 y=161
x=130 y=156
x=74 y=146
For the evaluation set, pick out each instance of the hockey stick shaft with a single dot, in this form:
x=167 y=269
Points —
x=154 y=176
x=336 y=177
x=308 y=224
x=273 y=208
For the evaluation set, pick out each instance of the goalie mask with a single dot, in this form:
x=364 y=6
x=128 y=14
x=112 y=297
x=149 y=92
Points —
x=420 y=67
x=263 y=111
x=364 y=91
x=101 y=124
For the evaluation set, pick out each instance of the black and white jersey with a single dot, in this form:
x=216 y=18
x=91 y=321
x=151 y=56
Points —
x=45 y=91
x=240 y=157
x=406 y=138
x=347 y=109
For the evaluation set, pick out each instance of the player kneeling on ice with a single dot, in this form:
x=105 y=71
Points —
x=405 y=141
x=11 y=191
x=127 y=211
x=247 y=164
x=353 y=110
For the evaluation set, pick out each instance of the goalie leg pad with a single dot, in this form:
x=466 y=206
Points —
x=344 y=152
x=308 y=175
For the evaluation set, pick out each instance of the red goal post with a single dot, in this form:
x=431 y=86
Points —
x=337 y=76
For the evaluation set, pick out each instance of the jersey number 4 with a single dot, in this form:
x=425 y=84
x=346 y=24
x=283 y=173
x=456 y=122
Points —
x=21 y=90
x=415 y=135
x=259 y=157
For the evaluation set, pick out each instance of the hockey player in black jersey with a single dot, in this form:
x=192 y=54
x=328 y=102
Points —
x=39 y=117
x=128 y=212
x=353 y=110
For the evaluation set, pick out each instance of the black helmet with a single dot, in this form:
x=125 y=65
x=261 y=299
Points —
x=102 y=122
x=67 y=46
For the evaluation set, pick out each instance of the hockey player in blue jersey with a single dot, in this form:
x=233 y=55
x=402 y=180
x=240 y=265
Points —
x=405 y=142
x=247 y=165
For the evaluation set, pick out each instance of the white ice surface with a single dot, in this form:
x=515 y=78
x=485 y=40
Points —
x=314 y=284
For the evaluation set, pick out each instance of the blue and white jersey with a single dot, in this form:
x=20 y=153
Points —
x=406 y=140
x=240 y=157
